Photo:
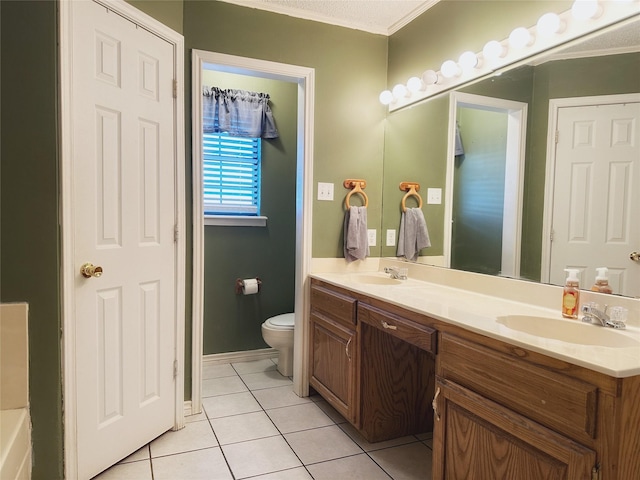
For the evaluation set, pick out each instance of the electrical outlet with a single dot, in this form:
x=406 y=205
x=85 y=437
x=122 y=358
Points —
x=391 y=238
x=325 y=191
x=434 y=196
x=372 y=237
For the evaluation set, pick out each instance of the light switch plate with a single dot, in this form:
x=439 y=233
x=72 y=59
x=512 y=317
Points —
x=325 y=191
x=434 y=196
x=372 y=237
x=391 y=238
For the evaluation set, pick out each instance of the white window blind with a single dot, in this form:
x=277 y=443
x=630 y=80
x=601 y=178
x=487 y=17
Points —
x=231 y=174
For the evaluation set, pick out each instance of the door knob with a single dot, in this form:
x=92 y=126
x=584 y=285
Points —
x=89 y=270
x=635 y=256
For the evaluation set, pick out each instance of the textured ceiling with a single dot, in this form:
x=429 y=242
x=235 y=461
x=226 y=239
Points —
x=376 y=16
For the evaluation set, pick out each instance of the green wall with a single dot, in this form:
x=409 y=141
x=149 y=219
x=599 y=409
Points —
x=453 y=26
x=231 y=321
x=350 y=71
x=29 y=233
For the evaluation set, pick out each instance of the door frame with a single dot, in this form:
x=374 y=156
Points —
x=515 y=158
x=555 y=104
x=67 y=265
x=304 y=77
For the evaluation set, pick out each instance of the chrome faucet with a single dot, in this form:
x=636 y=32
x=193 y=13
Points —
x=396 y=272
x=600 y=317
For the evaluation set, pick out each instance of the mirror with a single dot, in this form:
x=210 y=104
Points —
x=419 y=139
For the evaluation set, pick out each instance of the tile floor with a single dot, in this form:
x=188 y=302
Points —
x=254 y=426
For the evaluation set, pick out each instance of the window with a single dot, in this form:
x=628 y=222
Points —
x=231 y=174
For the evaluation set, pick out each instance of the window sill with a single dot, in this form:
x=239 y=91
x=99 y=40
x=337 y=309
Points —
x=235 y=221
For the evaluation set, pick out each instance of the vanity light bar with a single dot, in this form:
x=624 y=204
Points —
x=584 y=17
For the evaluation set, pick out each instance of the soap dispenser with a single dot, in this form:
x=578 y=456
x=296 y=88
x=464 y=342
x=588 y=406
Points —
x=602 y=281
x=571 y=294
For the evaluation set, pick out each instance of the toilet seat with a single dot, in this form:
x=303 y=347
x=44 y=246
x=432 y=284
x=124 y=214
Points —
x=283 y=321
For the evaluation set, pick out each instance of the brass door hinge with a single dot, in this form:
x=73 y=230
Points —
x=595 y=472
x=175 y=89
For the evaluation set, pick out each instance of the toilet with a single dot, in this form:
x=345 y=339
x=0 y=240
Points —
x=277 y=332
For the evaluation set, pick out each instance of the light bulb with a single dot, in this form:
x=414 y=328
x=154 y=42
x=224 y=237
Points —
x=494 y=50
x=468 y=60
x=429 y=77
x=386 y=97
x=450 y=69
x=414 y=84
x=520 y=38
x=585 y=9
x=400 y=91
x=549 y=24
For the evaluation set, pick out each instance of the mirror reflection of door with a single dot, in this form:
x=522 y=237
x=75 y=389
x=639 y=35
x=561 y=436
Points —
x=478 y=191
x=596 y=194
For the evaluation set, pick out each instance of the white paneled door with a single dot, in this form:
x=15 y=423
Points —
x=124 y=215
x=597 y=195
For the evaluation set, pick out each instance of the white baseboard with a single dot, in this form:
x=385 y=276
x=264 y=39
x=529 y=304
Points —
x=234 y=357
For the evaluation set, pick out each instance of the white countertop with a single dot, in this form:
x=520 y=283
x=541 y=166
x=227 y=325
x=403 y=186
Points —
x=479 y=312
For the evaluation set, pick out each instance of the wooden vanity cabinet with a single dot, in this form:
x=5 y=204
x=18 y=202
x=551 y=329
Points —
x=334 y=343
x=501 y=411
x=505 y=412
x=475 y=437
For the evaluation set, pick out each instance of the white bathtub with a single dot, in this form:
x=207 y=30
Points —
x=15 y=424
x=15 y=444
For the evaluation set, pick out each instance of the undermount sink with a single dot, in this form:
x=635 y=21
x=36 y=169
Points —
x=570 y=331
x=375 y=279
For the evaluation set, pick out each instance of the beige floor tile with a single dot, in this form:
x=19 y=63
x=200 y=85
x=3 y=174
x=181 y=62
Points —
x=268 y=379
x=207 y=464
x=140 y=454
x=217 y=371
x=241 y=428
x=299 y=473
x=255 y=366
x=258 y=457
x=429 y=443
x=198 y=417
x=406 y=462
x=358 y=467
x=222 y=386
x=194 y=436
x=127 y=471
x=279 y=397
x=322 y=444
x=299 y=417
x=232 y=404
x=369 y=447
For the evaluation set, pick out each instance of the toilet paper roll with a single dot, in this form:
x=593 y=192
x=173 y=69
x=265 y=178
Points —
x=249 y=286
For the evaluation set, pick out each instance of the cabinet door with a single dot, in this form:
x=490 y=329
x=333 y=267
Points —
x=477 y=438
x=334 y=364
x=396 y=376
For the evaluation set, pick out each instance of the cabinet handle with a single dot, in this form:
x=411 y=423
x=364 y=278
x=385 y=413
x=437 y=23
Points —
x=388 y=326
x=346 y=348
x=434 y=404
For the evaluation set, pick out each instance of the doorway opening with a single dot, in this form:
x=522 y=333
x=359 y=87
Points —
x=303 y=77
x=464 y=187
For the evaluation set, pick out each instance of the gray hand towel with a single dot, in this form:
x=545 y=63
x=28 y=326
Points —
x=356 y=240
x=413 y=234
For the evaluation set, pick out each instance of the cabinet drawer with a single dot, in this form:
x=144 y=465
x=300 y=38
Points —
x=336 y=306
x=421 y=336
x=554 y=400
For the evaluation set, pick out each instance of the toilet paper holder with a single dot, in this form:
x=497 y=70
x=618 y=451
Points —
x=240 y=285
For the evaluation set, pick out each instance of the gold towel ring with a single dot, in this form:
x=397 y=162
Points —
x=356 y=186
x=412 y=190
